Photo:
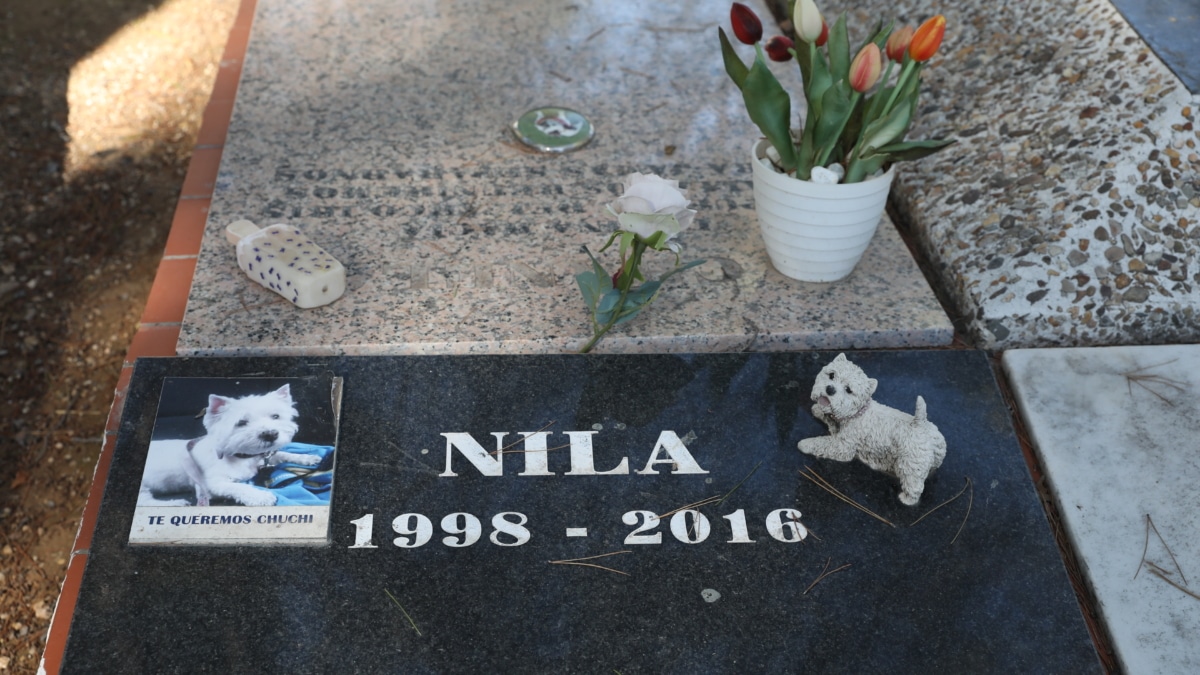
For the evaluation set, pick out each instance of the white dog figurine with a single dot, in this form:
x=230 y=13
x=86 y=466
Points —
x=908 y=447
x=242 y=436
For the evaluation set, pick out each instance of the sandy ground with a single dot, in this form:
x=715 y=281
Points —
x=100 y=102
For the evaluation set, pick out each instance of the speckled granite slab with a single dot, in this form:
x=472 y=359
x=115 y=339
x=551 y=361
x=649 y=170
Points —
x=1116 y=432
x=381 y=130
x=1069 y=211
x=440 y=560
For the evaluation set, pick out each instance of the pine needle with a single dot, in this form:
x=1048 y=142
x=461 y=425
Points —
x=1158 y=572
x=410 y=621
x=739 y=484
x=828 y=487
x=824 y=573
x=1140 y=378
x=1146 y=546
x=579 y=562
x=960 y=493
x=501 y=450
x=703 y=502
x=970 y=503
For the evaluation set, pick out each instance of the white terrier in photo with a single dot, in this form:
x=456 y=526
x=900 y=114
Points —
x=242 y=436
x=908 y=447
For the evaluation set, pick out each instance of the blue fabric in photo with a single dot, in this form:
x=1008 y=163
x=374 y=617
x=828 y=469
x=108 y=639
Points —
x=299 y=485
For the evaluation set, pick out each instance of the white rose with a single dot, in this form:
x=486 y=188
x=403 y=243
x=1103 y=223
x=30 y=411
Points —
x=652 y=204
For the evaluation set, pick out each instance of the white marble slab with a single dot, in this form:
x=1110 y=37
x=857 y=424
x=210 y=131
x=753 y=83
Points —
x=1117 y=430
x=381 y=130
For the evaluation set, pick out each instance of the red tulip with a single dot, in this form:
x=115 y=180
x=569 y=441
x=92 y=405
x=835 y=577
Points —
x=777 y=48
x=865 y=68
x=824 y=36
x=897 y=43
x=927 y=39
x=746 y=26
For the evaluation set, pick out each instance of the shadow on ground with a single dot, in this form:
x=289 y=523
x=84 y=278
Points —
x=100 y=102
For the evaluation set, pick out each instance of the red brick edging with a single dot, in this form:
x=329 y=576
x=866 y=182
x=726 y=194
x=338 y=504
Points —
x=158 y=329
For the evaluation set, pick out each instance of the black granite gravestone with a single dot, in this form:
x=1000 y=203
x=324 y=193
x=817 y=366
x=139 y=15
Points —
x=446 y=556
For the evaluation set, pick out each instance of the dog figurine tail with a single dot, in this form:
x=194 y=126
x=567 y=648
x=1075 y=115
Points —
x=919 y=416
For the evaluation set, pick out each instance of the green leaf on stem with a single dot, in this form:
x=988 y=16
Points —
x=607 y=305
x=637 y=300
x=836 y=105
x=839 y=50
x=881 y=34
x=770 y=108
x=733 y=63
x=679 y=268
x=885 y=130
x=911 y=150
x=589 y=287
x=861 y=167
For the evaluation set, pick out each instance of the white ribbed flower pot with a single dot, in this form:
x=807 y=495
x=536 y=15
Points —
x=816 y=232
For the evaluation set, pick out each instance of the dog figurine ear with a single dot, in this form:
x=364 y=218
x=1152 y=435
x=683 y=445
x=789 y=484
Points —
x=871 y=384
x=841 y=358
x=284 y=392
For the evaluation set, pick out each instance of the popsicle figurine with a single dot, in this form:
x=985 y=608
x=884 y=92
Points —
x=282 y=259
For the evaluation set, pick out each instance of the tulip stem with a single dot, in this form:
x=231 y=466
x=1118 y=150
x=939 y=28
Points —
x=901 y=80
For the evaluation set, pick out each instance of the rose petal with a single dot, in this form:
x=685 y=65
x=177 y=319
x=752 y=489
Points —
x=685 y=218
x=659 y=192
x=632 y=204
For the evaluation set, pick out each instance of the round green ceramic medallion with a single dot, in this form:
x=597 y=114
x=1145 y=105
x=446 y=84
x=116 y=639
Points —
x=553 y=129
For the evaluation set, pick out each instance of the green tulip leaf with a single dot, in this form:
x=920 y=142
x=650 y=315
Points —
x=861 y=167
x=881 y=34
x=911 y=150
x=835 y=109
x=770 y=109
x=887 y=129
x=839 y=49
x=733 y=63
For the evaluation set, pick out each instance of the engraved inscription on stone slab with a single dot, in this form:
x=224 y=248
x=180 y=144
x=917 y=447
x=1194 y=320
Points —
x=555 y=514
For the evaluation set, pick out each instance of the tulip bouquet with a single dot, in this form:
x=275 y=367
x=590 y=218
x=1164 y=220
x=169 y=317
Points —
x=857 y=117
x=650 y=213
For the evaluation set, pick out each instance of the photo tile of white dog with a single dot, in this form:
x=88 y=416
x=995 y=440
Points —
x=224 y=448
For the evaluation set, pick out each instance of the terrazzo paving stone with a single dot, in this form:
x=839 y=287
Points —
x=1068 y=213
x=1115 y=429
x=382 y=133
x=977 y=586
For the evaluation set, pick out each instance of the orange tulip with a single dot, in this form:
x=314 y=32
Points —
x=865 y=68
x=897 y=43
x=927 y=39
